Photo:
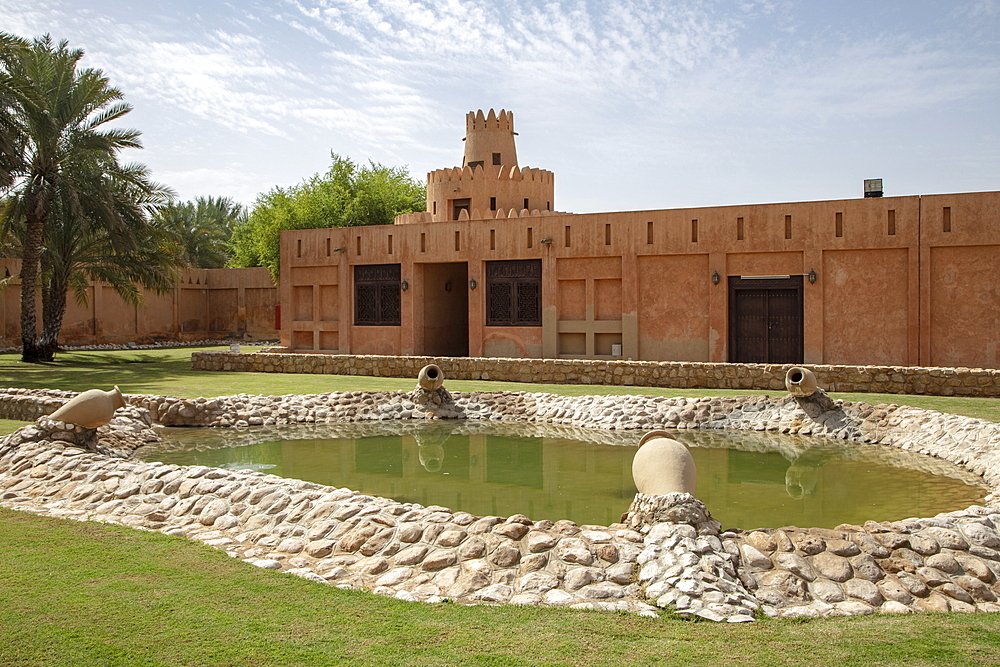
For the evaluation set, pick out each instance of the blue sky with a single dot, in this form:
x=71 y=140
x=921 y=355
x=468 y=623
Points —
x=633 y=104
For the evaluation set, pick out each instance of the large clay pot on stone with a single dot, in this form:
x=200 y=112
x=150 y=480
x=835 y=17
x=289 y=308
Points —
x=663 y=466
x=800 y=382
x=90 y=409
x=431 y=378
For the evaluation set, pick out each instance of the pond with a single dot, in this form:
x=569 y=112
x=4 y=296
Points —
x=747 y=479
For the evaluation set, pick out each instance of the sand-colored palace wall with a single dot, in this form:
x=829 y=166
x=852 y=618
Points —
x=206 y=303
x=899 y=281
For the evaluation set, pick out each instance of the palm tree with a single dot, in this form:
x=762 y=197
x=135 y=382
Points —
x=11 y=148
x=60 y=113
x=103 y=232
x=202 y=228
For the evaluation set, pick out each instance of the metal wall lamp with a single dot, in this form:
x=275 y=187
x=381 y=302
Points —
x=472 y=283
x=812 y=275
x=716 y=278
x=404 y=285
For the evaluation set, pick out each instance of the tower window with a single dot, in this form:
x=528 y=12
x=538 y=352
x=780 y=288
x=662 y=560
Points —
x=493 y=203
x=496 y=158
x=526 y=203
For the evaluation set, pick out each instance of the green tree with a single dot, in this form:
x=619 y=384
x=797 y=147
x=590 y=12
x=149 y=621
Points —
x=105 y=235
x=202 y=228
x=11 y=134
x=347 y=195
x=62 y=113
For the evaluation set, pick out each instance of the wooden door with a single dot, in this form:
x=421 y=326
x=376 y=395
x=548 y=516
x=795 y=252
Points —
x=765 y=320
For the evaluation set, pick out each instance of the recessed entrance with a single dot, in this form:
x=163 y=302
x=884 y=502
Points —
x=446 y=309
x=765 y=320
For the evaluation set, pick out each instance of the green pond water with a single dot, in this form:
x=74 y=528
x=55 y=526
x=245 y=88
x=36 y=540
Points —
x=747 y=480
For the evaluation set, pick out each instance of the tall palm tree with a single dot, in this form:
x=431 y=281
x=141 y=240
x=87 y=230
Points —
x=11 y=136
x=106 y=235
x=202 y=228
x=61 y=112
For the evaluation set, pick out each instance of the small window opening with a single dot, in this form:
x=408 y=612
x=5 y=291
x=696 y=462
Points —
x=840 y=225
x=548 y=206
x=946 y=217
x=694 y=231
x=328 y=246
x=496 y=159
x=568 y=238
x=493 y=239
x=458 y=240
x=788 y=226
x=423 y=242
x=739 y=229
x=298 y=248
x=359 y=245
x=607 y=234
x=526 y=204
x=493 y=203
x=434 y=208
x=649 y=232
x=892 y=223
x=530 y=240
x=390 y=244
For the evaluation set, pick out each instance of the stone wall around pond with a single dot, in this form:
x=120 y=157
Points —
x=668 y=552
x=670 y=374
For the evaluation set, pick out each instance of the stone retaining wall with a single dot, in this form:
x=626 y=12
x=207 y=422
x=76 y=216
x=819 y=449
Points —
x=667 y=552
x=673 y=374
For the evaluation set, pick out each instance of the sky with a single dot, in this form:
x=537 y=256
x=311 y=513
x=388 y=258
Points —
x=634 y=104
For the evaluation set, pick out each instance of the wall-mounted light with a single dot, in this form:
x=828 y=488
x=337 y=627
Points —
x=812 y=275
x=472 y=283
x=716 y=278
x=547 y=239
x=447 y=286
x=404 y=285
x=340 y=249
x=456 y=190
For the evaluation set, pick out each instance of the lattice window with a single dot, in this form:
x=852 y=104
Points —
x=514 y=293
x=377 y=295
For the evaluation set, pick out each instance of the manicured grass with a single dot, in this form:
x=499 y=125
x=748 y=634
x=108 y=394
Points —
x=74 y=593
x=78 y=593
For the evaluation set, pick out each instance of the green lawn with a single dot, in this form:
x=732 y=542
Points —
x=75 y=593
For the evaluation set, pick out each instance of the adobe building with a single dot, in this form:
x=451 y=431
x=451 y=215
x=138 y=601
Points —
x=492 y=270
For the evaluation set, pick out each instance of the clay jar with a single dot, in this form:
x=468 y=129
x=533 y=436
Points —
x=800 y=382
x=90 y=409
x=431 y=378
x=663 y=466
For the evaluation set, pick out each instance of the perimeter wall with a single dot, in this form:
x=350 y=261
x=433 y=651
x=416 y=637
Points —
x=205 y=303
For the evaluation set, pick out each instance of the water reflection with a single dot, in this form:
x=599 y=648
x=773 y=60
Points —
x=747 y=479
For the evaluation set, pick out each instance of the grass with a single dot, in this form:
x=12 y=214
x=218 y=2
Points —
x=76 y=593
x=80 y=593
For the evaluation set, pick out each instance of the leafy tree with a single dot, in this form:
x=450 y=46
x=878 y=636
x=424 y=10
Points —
x=106 y=236
x=202 y=229
x=11 y=148
x=347 y=195
x=61 y=113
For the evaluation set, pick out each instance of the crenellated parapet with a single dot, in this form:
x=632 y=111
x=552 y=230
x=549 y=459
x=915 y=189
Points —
x=496 y=173
x=478 y=122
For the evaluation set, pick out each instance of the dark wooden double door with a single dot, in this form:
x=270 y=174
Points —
x=765 y=320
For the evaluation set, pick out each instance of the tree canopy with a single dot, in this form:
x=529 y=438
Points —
x=202 y=229
x=67 y=188
x=347 y=195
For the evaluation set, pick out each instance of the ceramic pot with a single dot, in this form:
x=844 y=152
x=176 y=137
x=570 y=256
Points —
x=90 y=409
x=663 y=466
x=431 y=378
x=800 y=382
